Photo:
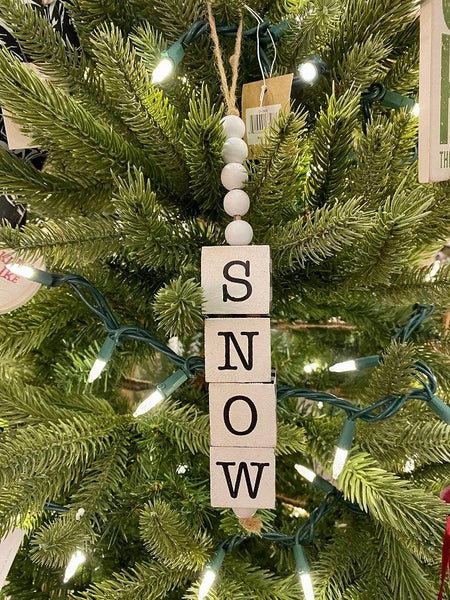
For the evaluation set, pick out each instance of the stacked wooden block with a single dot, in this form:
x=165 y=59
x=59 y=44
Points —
x=242 y=398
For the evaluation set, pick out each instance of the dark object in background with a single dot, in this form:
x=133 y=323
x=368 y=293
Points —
x=15 y=214
x=56 y=13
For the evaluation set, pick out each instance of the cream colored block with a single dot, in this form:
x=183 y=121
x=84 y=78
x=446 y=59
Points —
x=238 y=350
x=236 y=280
x=242 y=477
x=243 y=414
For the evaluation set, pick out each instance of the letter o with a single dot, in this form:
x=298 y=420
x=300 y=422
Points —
x=226 y=415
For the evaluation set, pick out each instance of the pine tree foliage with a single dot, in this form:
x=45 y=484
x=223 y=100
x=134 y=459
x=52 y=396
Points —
x=178 y=307
x=129 y=193
x=164 y=533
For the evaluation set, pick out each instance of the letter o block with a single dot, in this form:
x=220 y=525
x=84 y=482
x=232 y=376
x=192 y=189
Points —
x=243 y=414
x=236 y=280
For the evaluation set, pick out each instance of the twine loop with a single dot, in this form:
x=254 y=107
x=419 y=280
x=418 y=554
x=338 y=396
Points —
x=229 y=92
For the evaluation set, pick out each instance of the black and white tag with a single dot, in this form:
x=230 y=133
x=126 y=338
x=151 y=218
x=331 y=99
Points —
x=258 y=120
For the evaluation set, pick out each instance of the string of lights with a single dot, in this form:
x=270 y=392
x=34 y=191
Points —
x=304 y=536
x=307 y=74
x=116 y=335
x=264 y=34
x=381 y=410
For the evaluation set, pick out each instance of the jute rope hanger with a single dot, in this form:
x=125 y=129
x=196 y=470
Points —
x=251 y=524
x=229 y=92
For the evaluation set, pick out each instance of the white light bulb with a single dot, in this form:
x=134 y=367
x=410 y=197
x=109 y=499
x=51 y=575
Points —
x=416 y=109
x=76 y=560
x=181 y=469
x=206 y=584
x=342 y=367
x=150 y=402
x=305 y=472
x=433 y=271
x=308 y=590
x=308 y=72
x=21 y=270
x=409 y=466
x=340 y=459
x=97 y=369
x=311 y=367
x=162 y=70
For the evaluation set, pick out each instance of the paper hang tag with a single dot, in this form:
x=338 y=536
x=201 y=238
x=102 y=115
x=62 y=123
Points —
x=14 y=290
x=258 y=116
x=17 y=140
x=9 y=547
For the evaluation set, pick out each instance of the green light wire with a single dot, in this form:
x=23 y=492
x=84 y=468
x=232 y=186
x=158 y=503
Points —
x=265 y=33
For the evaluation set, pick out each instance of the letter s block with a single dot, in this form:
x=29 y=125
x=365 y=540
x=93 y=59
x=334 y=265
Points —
x=238 y=350
x=243 y=477
x=243 y=414
x=236 y=280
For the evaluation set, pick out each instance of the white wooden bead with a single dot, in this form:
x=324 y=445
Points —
x=234 y=150
x=234 y=175
x=238 y=233
x=233 y=126
x=236 y=202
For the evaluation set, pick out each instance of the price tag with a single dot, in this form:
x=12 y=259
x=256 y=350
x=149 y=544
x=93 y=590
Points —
x=262 y=105
x=258 y=120
x=14 y=290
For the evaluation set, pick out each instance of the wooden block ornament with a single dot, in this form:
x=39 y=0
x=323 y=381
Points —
x=237 y=288
x=238 y=350
x=243 y=414
x=236 y=280
x=242 y=477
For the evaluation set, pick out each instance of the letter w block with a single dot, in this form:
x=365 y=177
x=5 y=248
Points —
x=243 y=477
x=236 y=280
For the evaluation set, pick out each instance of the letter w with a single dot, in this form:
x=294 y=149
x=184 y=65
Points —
x=243 y=470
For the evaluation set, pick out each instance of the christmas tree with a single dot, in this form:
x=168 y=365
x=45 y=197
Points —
x=116 y=505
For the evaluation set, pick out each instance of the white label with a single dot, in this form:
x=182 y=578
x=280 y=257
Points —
x=9 y=546
x=14 y=290
x=258 y=120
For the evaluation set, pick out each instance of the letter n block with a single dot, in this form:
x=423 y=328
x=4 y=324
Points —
x=243 y=477
x=237 y=350
x=236 y=280
x=243 y=414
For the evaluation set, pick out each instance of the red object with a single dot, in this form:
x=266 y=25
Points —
x=445 y=496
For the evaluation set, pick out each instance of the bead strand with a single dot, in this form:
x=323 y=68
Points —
x=234 y=176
